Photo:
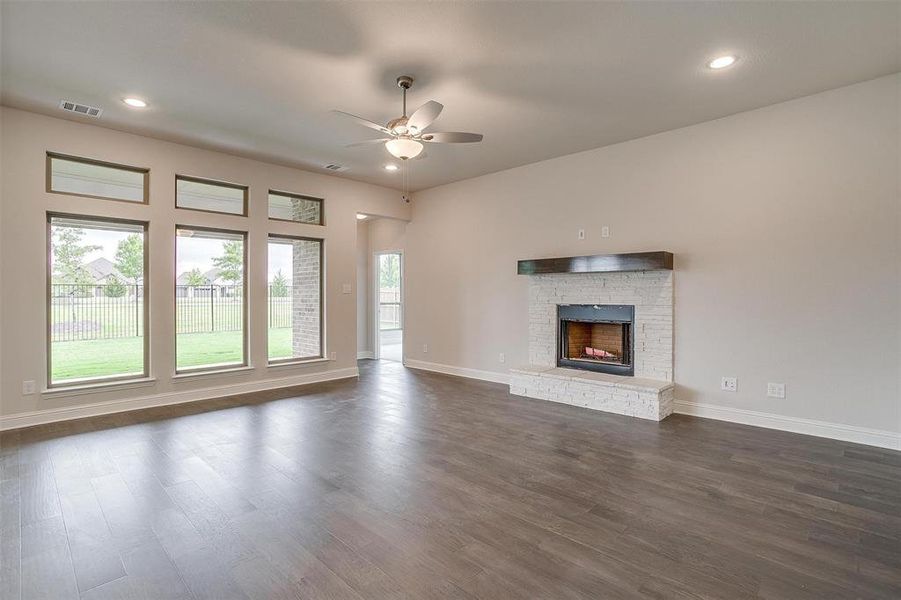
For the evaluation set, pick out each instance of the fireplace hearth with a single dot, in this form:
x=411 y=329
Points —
x=596 y=337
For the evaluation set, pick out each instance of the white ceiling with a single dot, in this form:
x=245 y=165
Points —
x=538 y=79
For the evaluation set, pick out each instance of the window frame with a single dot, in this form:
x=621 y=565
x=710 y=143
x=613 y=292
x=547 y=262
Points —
x=190 y=178
x=322 y=350
x=48 y=299
x=245 y=297
x=321 y=202
x=100 y=163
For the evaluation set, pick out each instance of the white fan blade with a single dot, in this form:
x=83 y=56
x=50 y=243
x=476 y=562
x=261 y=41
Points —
x=452 y=137
x=368 y=142
x=423 y=116
x=363 y=122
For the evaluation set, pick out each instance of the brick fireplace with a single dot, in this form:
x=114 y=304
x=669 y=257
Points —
x=601 y=339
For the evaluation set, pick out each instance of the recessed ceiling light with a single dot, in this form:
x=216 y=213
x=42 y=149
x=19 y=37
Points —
x=721 y=62
x=360 y=216
x=391 y=167
x=135 y=102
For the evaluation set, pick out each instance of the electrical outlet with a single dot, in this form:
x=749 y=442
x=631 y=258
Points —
x=29 y=387
x=501 y=357
x=333 y=356
x=425 y=348
x=775 y=390
x=729 y=384
x=581 y=234
x=345 y=288
x=605 y=231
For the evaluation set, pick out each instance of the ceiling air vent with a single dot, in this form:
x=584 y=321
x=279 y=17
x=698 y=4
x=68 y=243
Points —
x=80 y=109
x=334 y=167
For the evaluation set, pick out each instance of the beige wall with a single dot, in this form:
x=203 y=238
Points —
x=785 y=224
x=26 y=137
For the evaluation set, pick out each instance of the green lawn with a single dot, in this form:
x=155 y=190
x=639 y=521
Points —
x=122 y=356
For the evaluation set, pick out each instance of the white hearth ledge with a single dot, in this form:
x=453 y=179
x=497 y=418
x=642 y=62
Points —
x=632 y=396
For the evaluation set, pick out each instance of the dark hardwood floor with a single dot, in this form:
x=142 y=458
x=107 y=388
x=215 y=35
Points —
x=406 y=484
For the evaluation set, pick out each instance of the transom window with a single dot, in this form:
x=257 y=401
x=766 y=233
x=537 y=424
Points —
x=284 y=206
x=210 y=196
x=96 y=179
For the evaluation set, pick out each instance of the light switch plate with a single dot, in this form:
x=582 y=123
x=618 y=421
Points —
x=581 y=234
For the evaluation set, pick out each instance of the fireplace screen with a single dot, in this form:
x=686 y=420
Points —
x=596 y=337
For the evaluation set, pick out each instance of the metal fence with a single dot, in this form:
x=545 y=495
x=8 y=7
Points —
x=209 y=308
x=93 y=312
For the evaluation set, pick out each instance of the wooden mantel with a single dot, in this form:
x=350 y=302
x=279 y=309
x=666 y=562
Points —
x=599 y=263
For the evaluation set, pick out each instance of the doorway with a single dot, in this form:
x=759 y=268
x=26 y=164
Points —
x=389 y=308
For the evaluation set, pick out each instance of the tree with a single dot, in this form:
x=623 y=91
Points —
x=279 y=286
x=195 y=278
x=68 y=256
x=114 y=288
x=130 y=257
x=231 y=263
x=389 y=271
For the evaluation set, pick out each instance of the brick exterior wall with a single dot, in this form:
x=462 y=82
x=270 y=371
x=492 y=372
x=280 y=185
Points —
x=306 y=301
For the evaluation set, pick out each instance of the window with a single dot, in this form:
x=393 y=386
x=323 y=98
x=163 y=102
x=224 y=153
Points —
x=390 y=312
x=292 y=207
x=210 y=303
x=210 y=196
x=96 y=304
x=85 y=177
x=295 y=298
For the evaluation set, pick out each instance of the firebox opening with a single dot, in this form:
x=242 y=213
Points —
x=598 y=342
x=596 y=337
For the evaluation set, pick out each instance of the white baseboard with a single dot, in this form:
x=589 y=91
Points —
x=835 y=431
x=492 y=376
x=365 y=354
x=53 y=415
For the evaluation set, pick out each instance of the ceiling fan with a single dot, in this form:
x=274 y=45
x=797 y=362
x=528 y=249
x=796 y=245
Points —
x=407 y=134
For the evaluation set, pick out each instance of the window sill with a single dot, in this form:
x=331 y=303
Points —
x=91 y=388
x=298 y=363
x=188 y=375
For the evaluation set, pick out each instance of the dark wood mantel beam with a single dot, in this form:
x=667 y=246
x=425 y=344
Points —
x=598 y=263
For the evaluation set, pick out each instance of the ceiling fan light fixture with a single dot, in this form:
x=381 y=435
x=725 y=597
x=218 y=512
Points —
x=403 y=148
